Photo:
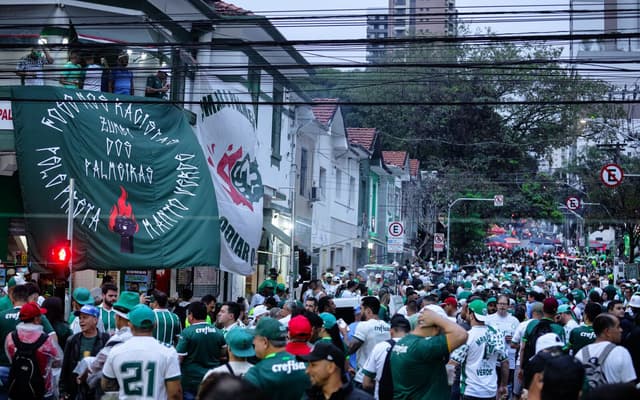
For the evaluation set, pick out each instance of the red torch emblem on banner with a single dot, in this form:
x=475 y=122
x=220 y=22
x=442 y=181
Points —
x=123 y=222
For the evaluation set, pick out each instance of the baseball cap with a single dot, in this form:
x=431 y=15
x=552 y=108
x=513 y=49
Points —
x=31 y=310
x=565 y=308
x=299 y=327
x=450 y=301
x=240 y=342
x=15 y=280
x=547 y=341
x=126 y=302
x=328 y=320
x=325 y=350
x=479 y=309
x=258 y=311
x=492 y=300
x=550 y=305
x=83 y=296
x=378 y=276
x=89 y=310
x=270 y=328
x=141 y=316
x=634 y=302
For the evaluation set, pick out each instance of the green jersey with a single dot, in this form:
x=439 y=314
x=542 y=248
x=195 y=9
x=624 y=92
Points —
x=279 y=376
x=167 y=327
x=9 y=319
x=555 y=328
x=108 y=320
x=201 y=346
x=5 y=303
x=580 y=337
x=418 y=368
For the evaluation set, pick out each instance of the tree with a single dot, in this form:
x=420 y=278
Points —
x=621 y=204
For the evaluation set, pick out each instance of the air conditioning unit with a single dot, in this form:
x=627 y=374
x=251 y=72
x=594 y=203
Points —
x=315 y=193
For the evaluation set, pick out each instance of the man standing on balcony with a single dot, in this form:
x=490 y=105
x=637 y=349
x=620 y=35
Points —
x=30 y=66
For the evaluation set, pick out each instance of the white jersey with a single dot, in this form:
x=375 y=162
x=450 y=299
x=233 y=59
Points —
x=375 y=362
x=370 y=333
x=616 y=366
x=519 y=333
x=485 y=346
x=507 y=325
x=568 y=327
x=142 y=365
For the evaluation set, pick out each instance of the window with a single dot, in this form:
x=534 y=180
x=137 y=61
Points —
x=276 y=124
x=304 y=155
x=338 y=184
x=323 y=181
x=352 y=191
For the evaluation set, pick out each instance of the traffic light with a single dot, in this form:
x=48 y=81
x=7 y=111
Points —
x=59 y=257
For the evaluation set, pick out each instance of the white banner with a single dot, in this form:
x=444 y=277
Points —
x=226 y=131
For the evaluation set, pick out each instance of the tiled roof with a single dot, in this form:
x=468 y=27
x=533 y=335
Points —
x=414 y=166
x=362 y=136
x=395 y=158
x=324 y=109
x=228 y=9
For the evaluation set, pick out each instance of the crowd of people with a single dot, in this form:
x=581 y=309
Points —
x=84 y=70
x=500 y=330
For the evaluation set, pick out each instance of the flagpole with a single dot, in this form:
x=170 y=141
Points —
x=70 y=241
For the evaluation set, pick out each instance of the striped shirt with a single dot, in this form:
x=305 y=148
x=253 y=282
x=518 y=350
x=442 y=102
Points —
x=108 y=320
x=167 y=326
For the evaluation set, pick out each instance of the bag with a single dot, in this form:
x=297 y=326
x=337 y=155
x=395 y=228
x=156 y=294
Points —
x=25 y=378
x=542 y=327
x=594 y=375
x=385 y=386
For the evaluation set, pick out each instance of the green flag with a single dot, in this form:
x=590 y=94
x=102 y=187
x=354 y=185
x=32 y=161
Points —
x=143 y=196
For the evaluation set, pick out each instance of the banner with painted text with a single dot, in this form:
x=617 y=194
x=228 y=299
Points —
x=226 y=129
x=143 y=196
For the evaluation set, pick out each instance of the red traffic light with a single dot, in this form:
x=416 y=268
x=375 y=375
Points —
x=61 y=253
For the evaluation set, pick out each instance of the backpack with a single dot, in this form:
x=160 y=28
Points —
x=25 y=378
x=385 y=386
x=542 y=327
x=594 y=375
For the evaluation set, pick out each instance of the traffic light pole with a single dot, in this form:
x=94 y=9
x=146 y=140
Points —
x=72 y=182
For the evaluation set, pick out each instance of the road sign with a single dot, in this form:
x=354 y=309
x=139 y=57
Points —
x=611 y=175
x=396 y=230
x=438 y=242
x=394 y=245
x=498 y=200
x=573 y=203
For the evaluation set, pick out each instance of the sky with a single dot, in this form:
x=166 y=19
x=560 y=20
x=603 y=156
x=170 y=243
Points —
x=356 y=28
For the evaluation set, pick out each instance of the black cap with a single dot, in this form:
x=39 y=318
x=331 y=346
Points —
x=325 y=350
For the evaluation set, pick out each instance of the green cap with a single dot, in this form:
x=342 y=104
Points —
x=578 y=295
x=83 y=296
x=328 y=319
x=492 y=300
x=464 y=295
x=141 y=316
x=240 y=342
x=466 y=284
x=565 y=308
x=479 y=309
x=281 y=287
x=270 y=328
x=126 y=301
x=267 y=283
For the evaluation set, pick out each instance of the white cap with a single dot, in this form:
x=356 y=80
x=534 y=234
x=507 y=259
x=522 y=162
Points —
x=259 y=310
x=635 y=301
x=441 y=285
x=378 y=276
x=547 y=341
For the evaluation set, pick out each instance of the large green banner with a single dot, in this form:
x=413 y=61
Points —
x=143 y=196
